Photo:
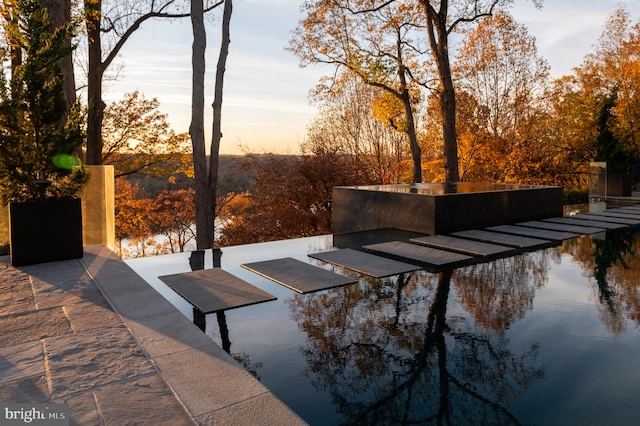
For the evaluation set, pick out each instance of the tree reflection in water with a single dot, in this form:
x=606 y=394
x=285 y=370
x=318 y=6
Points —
x=501 y=292
x=613 y=262
x=196 y=262
x=388 y=352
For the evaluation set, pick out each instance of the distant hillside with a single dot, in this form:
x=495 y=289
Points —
x=235 y=174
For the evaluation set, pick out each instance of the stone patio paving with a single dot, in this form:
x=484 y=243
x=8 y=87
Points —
x=90 y=333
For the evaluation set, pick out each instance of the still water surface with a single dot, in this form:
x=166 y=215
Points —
x=550 y=337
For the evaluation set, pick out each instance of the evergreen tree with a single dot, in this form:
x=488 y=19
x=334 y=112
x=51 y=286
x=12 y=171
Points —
x=608 y=146
x=38 y=141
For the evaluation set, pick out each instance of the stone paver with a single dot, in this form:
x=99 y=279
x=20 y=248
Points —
x=92 y=334
x=62 y=342
x=78 y=361
x=33 y=325
x=21 y=361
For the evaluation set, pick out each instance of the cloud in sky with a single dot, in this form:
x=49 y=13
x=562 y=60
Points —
x=265 y=104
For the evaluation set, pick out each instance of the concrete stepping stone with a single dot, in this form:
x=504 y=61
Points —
x=634 y=219
x=610 y=219
x=297 y=275
x=212 y=290
x=632 y=209
x=585 y=222
x=561 y=227
x=532 y=232
x=470 y=247
x=416 y=253
x=365 y=263
x=503 y=239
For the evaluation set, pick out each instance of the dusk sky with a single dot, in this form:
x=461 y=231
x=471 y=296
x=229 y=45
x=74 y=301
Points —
x=265 y=104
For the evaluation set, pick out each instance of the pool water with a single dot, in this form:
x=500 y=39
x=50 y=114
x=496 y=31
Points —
x=550 y=337
x=447 y=187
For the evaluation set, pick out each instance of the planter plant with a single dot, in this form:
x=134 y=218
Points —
x=40 y=136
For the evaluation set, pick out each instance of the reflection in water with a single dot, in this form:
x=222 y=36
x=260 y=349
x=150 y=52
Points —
x=392 y=351
x=613 y=262
x=387 y=353
x=501 y=292
x=196 y=262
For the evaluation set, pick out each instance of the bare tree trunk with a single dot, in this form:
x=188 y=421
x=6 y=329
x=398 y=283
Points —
x=60 y=13
x=448 y=110
x=217 y=104
x=416 y=151
x=95 y=113
x=438 y=39
x=204 y=203
x=98 y=65
x=405 y=97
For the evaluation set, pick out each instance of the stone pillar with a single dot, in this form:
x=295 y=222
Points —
x=98 y=208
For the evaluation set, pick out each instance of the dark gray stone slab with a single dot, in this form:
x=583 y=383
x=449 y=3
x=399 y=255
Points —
x=635 y=219
x=622 y=213
x=609 y=219
x=212 y=290
x=422 y=254
x=561 y=227
x=470 y=247
x=633 y=209
x=532 y=232
x=297 y=275
x=504 y=239
x=585 y=222
x=365 y=263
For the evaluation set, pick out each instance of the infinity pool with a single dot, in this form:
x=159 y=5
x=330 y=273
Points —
x=550 y=337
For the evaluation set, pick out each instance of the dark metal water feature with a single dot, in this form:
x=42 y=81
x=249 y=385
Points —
x=440 y=208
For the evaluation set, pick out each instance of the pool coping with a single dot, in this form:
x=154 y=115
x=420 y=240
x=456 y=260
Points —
x=207 y=381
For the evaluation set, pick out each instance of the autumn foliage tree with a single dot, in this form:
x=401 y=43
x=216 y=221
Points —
x=580 y=99
x=174 y=212
x=502 y=86
x=352 y=120
x=139 y=139
x=150 y=226
x=379 y=47
x=109 y=25
x=291 y=198
x=132 y=212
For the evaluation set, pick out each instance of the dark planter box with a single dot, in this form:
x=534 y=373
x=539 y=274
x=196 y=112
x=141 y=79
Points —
x=441 y=208
x=45 y=231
